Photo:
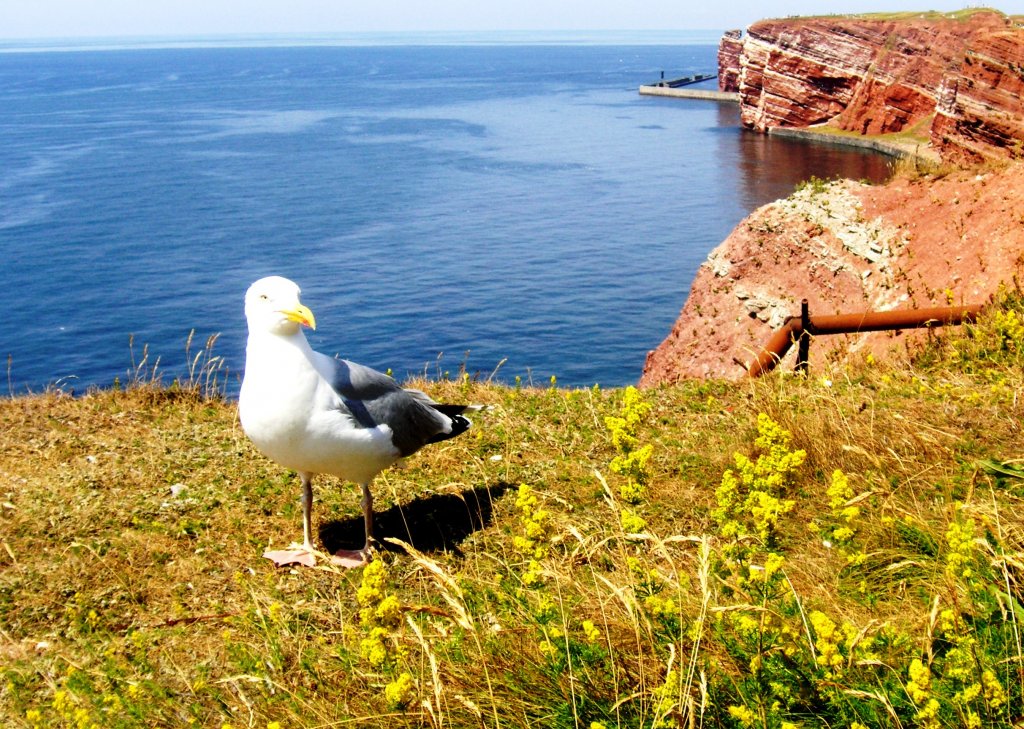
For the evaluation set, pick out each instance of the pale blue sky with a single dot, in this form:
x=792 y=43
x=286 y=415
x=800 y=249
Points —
x=106 y=18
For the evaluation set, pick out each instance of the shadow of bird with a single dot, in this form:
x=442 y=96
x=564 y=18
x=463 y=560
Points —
x=436 y=523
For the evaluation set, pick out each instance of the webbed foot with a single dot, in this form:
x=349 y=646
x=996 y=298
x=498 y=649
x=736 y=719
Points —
x=295 y=554
x=351 y=558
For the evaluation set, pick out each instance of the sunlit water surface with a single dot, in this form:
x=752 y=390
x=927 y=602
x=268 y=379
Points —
x=441 y=206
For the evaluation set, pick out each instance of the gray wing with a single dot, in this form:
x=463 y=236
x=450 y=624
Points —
x=374 y=398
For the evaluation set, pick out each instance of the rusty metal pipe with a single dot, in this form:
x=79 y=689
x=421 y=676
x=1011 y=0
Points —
x=866 y=321
x=875 y=321
x=775 y=348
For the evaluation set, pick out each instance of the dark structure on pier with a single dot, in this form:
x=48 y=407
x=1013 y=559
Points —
x=675 y=83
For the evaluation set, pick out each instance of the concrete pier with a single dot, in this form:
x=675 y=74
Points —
x=887 y=147
x=708 y=94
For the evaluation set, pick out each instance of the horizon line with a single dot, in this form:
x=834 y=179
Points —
x=642 y=36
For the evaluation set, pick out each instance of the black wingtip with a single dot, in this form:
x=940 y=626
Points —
x=460 y=425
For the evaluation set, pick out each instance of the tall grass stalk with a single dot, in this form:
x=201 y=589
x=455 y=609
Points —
x=207 y=372
x=453 y=595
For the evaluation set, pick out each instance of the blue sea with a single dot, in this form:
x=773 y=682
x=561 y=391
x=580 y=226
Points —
x=512 y=206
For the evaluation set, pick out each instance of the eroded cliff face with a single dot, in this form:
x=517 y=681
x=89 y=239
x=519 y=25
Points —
x=879 y=76
x=729 y=49
x=846 y=247
x=979 y=113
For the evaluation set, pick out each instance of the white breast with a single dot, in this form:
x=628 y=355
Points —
x=286 y=409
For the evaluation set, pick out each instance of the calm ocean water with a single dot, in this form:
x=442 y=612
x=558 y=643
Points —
x=477 y=203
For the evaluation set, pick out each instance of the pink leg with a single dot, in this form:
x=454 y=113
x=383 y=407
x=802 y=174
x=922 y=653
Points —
x=359 y=557
x=305 y=553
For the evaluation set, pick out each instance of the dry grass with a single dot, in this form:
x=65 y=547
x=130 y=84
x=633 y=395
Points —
x=132 y=591
x=912 y=15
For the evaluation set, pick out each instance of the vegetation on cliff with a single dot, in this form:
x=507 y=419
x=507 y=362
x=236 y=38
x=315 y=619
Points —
x=842 y=549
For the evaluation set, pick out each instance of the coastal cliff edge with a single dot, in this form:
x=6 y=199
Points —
x=946 y=235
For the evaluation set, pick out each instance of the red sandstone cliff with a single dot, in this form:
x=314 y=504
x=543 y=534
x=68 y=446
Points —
x=729 y=49
x=876 y=75
x=846 y=247
x=914 y=242
x=979 y=108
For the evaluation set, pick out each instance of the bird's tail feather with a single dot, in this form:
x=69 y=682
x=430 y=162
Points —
x=451 y=410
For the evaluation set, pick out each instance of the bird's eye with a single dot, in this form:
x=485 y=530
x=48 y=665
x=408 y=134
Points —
x=263 y=297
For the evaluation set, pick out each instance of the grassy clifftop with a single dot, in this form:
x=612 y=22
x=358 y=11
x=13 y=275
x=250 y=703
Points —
x=840 y=550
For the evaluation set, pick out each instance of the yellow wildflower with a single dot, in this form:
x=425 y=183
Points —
x=995 y=694
x=400 y=692
x=928 y=716
x=743 y=715
x=960 y=539
x=371 y=589
x=632 y=523
x=839 y=491
x=389 y=611
x=373 y=649
x=920 y=678
x=660 y=606
x=534 y=574
x=591 y=632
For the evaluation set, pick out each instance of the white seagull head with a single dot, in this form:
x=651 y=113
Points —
x=272 y=305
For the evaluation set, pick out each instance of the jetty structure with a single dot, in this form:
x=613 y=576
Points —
x=677 y=88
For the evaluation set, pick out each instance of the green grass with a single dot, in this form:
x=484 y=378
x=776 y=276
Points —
x=911 y=15
x=133 y=593
x=914 y=135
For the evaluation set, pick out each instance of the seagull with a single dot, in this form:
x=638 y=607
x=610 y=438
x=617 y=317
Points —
x=316 y=414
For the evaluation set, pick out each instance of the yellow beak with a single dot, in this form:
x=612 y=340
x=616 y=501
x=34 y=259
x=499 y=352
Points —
x=301 y=315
